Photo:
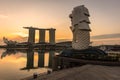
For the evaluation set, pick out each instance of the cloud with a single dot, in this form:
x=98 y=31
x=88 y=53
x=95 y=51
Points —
x=107 y=42
x=106 y=36
x=20 y=34
x=62 y=40
x=3 y=16
x=17 y=38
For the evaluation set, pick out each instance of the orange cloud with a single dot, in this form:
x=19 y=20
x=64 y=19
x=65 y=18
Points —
x=3 y=16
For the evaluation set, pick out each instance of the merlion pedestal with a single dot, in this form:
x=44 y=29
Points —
x=80 y=27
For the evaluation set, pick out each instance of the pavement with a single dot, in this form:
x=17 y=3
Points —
x=86 y=72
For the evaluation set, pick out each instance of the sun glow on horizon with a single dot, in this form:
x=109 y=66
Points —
x=46 y=14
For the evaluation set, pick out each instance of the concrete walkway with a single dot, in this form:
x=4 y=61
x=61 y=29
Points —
x=87 y=72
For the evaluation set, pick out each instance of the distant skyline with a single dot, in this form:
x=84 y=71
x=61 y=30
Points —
x=15 y=14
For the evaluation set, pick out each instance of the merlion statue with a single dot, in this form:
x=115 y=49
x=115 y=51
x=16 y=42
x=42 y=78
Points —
x=80 y=27
x=81 y=35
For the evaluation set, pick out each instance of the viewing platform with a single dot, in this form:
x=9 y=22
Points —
x=86 y=72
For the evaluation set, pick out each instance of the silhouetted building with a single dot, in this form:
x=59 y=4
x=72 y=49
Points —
x=31 y=36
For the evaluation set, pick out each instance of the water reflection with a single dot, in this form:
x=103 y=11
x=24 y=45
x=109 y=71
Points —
x=41 y=58
x=30 y=60
x=51 y=54
x=30 y=55
x=8 y=52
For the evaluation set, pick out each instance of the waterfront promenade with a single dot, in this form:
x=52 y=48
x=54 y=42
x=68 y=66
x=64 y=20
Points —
x=86 y=72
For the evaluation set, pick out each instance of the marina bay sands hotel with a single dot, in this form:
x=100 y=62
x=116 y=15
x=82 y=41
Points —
x=31 y=36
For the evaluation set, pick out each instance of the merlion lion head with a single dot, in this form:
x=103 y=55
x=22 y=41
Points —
x=80 y=18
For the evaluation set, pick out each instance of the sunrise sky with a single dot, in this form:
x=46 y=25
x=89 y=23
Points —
x=14 y=14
